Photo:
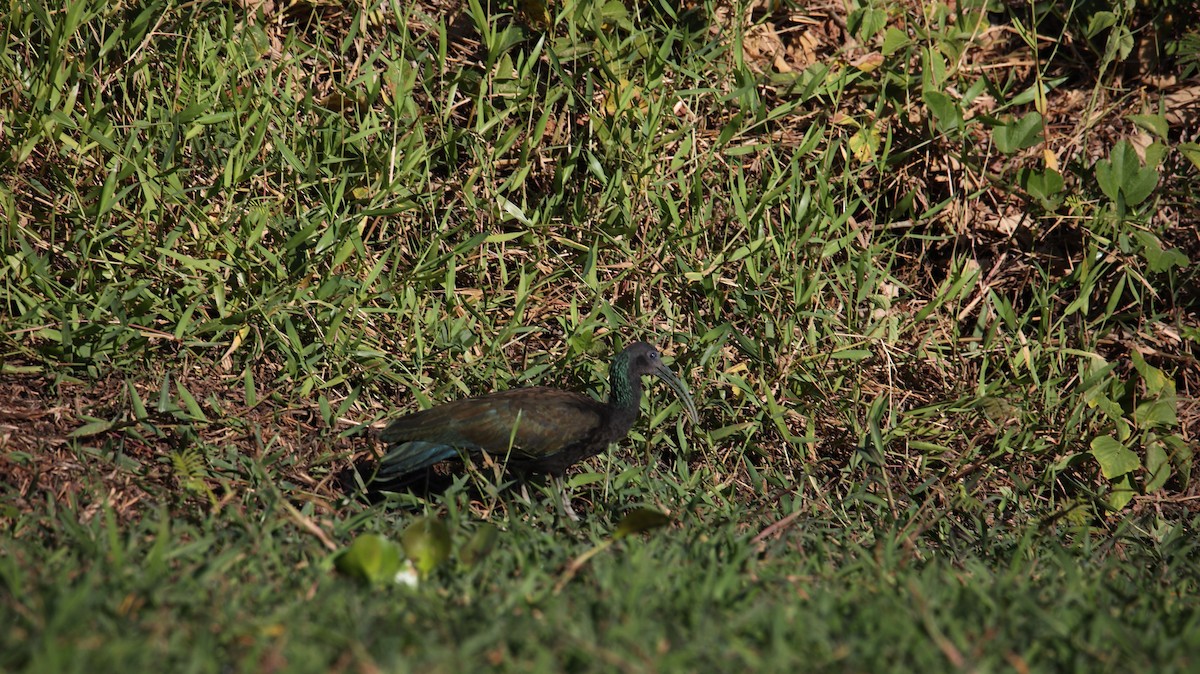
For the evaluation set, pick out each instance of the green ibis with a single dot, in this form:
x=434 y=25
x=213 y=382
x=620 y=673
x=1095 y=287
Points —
x=536 y=430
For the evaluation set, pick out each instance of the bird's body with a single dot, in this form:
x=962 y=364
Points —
x=530 y=430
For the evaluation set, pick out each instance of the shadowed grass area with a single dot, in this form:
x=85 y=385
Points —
x=929 y=277
x=247 y=587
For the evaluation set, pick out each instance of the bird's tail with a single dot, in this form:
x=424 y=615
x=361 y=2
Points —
x=408 y=457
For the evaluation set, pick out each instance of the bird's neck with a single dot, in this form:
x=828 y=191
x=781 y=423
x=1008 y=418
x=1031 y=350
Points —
x=625 y=392
x=625 y=395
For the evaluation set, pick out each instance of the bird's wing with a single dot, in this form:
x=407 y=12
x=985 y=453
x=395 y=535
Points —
x=532 y=422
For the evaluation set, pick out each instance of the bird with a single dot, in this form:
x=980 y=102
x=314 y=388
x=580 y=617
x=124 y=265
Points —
x=531 y=431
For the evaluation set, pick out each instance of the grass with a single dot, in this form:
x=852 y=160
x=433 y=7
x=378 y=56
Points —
x=246 y=587
x=929 y=277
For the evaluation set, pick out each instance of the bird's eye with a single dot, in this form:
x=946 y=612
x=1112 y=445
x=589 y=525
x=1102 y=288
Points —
x=653 y=355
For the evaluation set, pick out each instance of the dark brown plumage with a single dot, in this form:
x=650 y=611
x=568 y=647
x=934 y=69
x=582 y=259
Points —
x=530 y=430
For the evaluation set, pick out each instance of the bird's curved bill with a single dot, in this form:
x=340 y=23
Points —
x=664 y=373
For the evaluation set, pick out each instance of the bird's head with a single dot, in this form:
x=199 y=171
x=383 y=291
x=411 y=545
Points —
x=643 y=359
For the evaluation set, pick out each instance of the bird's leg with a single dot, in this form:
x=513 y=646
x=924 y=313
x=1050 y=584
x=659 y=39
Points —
x=553 y=487
x=564 y=499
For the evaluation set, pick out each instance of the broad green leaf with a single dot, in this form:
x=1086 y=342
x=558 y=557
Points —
x=1045 y=186
x=1158 y=467
x=1125 y=429
x=1155 y=379
x=934 y=69
x=1114 y=458
x=1139 y=186
x=1123 y=174
x=371 y=558
x=1157 y=413
x=1191 y=151
x=1159 y=260
x=1109 y=181
x=865 y=144
x=1122 y=492
x=945 y=109
x=427 y=544
x=894 y=40
x=1155 y=124
x=1099 y=22
x=1019 y=134
x=865 y=22
x=1120 y=43
x=1182 y=455
x=638 y=520
x=1154 y=154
